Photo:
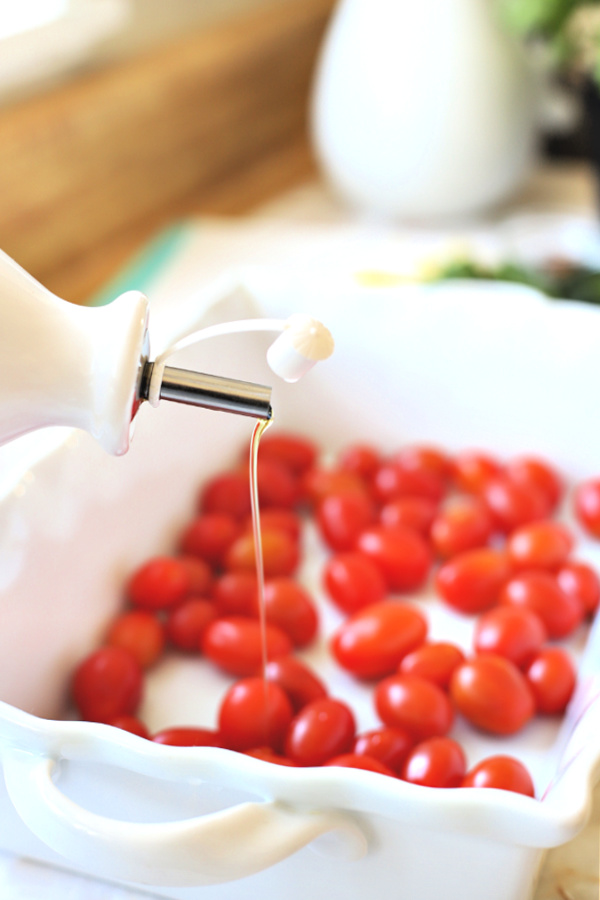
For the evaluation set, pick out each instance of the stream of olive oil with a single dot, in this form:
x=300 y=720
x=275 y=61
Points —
x=259 y=429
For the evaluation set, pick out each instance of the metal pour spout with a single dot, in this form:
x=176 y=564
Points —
x=209 y=391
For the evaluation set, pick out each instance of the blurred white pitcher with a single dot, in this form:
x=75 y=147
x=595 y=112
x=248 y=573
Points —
x=423 y=109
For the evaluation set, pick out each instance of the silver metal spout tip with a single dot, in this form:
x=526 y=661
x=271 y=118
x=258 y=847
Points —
x=210 y=391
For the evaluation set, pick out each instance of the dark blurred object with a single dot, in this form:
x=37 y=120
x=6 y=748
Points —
x=559 y=279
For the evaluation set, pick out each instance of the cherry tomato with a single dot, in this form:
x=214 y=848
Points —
x=342 y=517
x=278 y=486
x=210 y=537
x=356 y=761
x=400 y=553
x=532 y=470
x=130 y=724
x=106 y=684
x=200 y=574
x=159 y=583
x=236 y=593
x=254 y=713
x=551 y=676
x=274 y=519
x=353 y=581
x=188 y=737
x=579 y=580
x=281 y=554
x=514 y=504
x=501 y=772
x=471 y=582
x=372 y=642
x=472 y=469
x=235 y=645
x=187 y=623
x=323 y=729
x=268 y=755
x=289 y=606
x=140 y=633
x=492 y=694
x=516 y=633
x=464 y=523
x=391 y=481
x=414 y=704
x=298 y=681
x=389 y=745
x=296 y=452
x=318 y=483
x=423 y=458
x=360 y=459
x=417 y=513
x=227 y=493
x=437 y=762
x=540 y=545
x=539 y=592
x=586 y=502
x=434 y=662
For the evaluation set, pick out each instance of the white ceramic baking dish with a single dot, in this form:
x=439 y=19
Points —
x=461 y=365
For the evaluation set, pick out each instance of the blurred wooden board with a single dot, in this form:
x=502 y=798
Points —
x=215 y=122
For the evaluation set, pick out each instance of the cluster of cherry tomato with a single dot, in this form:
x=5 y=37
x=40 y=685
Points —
x=484 y=529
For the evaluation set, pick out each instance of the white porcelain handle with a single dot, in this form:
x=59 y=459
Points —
x=210 y=849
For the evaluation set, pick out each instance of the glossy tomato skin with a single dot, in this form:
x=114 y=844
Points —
x=418 y=706
x=161 y=582
x=300 y=683
x=586 y=503
x=425 y=458
x=139 y=632
x=538 y=472
x=580 y=581
x=210 y=537
x=278 y=486
x=268 y=755
x=234 y=644
x=473 y=469
x=492 y=694
x=131 y=724
x=392 y=480
x=322 y=730
x=360 y=459
x=106 y=684
x=227 y=493
x=417 y=513
x=277 y=519
x=200 y=575
x=281 y=554
x=186 y=624
x=372 y=642
x=319 y=483
x=342 y=517
x=389 y=745
x=401 y=554
x=540 y=593
x=501 y=772
x=295 y=451
x=236 y=593
x=551 y=676
x=514 y=504
x=353 y=581
x=290 y=607
x=515 y=633
x=464 y=523
x=540 y=545
x=434 y=662
x=356 y=761
x=188 y=737
x=254 y=713
x=471 y=582
x=437 y=762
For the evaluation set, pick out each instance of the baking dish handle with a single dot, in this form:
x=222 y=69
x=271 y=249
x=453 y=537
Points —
x=211 y=849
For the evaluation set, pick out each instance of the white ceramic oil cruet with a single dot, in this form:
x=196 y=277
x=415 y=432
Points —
x=89 y=368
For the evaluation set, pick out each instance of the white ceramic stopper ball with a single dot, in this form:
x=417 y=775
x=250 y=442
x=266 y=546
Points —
x=303 y=342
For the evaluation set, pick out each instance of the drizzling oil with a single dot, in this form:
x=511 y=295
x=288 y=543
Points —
x=259 y=429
